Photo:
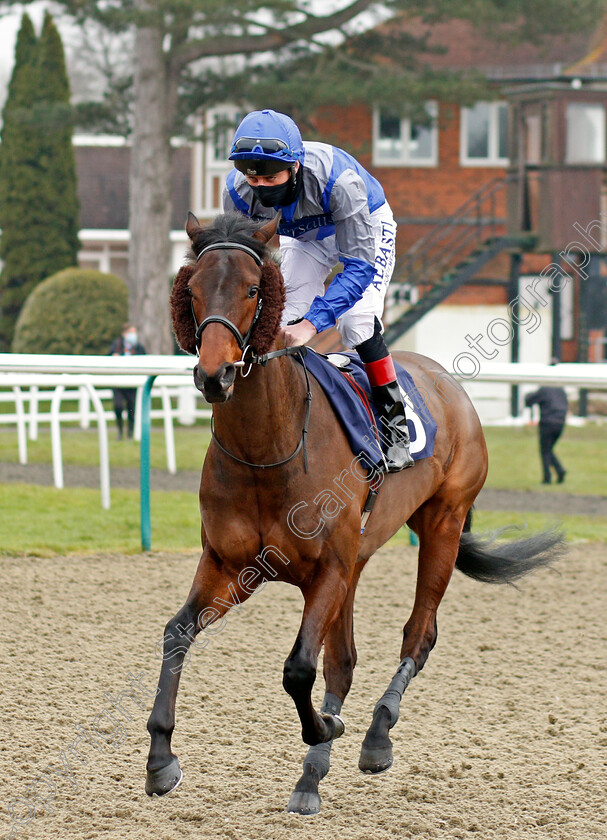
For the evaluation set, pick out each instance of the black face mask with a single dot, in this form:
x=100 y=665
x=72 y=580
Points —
x=282 y=194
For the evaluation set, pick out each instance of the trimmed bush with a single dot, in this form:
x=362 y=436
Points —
x=75 y=311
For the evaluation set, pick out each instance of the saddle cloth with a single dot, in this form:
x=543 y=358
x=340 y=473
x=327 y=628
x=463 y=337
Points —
x=349 y=393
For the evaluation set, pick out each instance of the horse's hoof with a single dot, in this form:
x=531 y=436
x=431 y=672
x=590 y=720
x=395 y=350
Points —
x=376 y=760
x=164 y=780
x=304 y=803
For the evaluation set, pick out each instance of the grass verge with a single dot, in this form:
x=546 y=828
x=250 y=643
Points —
x=514 y=459
x=514 y=462
x=44 y=521
x=578 y=529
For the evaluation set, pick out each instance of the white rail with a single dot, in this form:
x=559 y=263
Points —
x=88 y=379
x=591 y=376
x=96 y=372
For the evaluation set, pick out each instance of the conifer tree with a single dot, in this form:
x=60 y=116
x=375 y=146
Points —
x=58 y=199
x=18 y=156
x=38 y=200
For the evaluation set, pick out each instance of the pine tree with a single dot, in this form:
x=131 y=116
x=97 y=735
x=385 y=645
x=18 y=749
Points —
x=18 y=161
x=58 y=199
x=38 y=200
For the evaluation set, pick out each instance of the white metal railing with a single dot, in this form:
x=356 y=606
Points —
x=186 y=410
x=29 y=390
x=98 y=372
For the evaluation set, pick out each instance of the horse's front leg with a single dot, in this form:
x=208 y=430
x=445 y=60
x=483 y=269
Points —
x=213 y=592
x=324 y=598
x=339 y=662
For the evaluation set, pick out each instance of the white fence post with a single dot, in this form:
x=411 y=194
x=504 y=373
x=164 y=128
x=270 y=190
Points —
x=56 y=436
x=83 y=407
x=21 y=428
x=104 y=461
x=34 y=412
x=186 y=406
x=137 y=429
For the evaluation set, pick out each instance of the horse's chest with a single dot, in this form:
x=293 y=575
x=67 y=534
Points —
x=240 y=522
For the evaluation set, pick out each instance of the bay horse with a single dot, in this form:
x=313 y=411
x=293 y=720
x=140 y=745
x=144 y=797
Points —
x=276 y=448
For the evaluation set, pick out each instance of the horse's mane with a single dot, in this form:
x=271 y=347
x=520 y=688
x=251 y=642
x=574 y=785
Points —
x=231 y=227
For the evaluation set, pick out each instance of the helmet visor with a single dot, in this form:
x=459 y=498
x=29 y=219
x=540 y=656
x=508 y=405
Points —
x=261 y=167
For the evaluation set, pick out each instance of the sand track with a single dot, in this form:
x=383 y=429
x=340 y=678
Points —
x=503 y=735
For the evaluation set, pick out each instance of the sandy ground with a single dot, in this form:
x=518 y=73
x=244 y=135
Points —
x=503 y=735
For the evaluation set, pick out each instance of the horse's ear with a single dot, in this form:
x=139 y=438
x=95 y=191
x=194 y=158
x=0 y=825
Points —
x=181 y=310
x=265 y=233
x=192 y=225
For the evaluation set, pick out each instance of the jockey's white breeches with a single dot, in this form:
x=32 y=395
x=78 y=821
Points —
x=306 y=264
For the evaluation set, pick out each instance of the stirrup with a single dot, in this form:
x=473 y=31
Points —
x=397 y=455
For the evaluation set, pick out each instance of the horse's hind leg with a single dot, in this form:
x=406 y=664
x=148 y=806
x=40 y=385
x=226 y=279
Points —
x=339 y=662
x=213 y=592
x=439 y=529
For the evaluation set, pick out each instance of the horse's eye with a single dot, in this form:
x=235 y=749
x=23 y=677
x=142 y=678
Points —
x=253 y=290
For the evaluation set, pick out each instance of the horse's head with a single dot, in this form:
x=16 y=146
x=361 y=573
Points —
x=229 y=297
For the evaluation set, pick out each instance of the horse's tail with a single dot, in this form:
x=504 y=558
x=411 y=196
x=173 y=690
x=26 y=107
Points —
x=492 y=562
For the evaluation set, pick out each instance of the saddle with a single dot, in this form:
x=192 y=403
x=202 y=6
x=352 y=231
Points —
x=343 y=379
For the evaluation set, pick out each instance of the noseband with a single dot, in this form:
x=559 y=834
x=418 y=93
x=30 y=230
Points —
x=243 y=340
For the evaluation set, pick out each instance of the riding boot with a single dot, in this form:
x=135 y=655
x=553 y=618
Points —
x=394 y=431
x=387 y=397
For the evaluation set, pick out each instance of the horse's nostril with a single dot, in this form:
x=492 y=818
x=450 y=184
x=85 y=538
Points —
x=215 y=386
x=200 y=378
x=227 y=377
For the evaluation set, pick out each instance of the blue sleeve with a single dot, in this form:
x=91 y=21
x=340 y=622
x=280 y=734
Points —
x=345 y=290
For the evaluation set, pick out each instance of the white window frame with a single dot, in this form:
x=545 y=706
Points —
x=493 y=158
x=405 y=131
x=207 y=170
x=233 y=113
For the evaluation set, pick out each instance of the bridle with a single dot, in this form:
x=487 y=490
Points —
x=243 y=340
x=263 y=359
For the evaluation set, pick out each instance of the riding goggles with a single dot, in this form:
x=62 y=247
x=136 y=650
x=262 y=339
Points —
x=266 y=145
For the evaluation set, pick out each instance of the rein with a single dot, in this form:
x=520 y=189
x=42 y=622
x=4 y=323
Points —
x=262 y=360
x=243 y=343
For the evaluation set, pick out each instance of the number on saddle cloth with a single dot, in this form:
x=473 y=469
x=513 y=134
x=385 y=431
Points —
x=330 y=369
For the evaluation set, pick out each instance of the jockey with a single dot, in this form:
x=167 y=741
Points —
x=333 y=211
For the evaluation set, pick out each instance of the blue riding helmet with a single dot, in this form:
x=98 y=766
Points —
x=270 y=139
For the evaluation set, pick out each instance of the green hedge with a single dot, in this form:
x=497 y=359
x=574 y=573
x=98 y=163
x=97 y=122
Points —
x=74 y=311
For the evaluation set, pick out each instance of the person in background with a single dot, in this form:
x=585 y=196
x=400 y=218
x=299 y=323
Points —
x=332 y=210
x=126 y=345
x=553 y=407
